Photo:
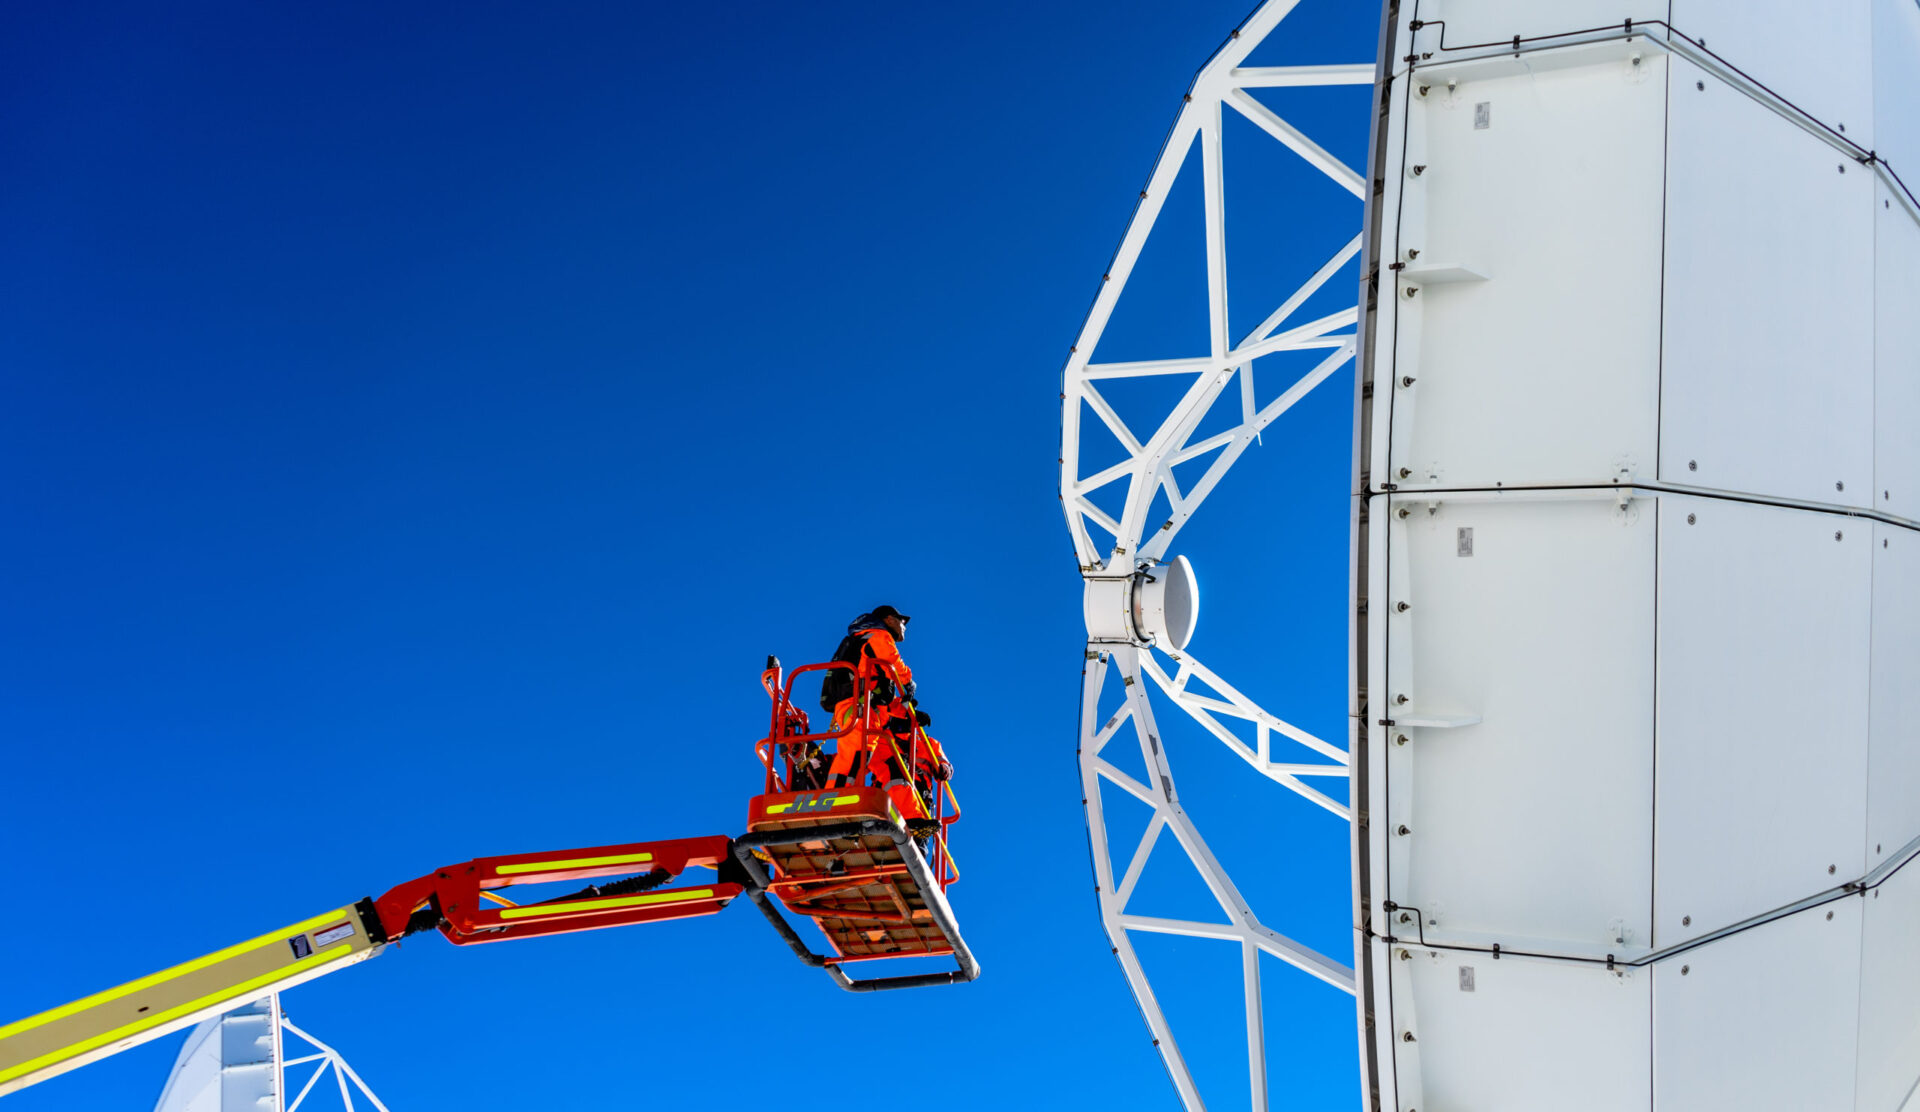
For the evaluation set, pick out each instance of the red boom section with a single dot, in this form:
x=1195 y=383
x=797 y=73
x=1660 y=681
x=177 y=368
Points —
x=463 y=902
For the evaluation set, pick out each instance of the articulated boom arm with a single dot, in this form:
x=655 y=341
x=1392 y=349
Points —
x=461 y=900
x=869 y=865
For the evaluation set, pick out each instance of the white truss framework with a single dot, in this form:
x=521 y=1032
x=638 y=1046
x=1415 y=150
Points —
x=329 y=1059
x=1138 y=541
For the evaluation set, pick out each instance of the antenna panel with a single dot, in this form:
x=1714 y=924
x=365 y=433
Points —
x=1819 y=57
x=1889 y=1029
x=1767 y=375
x=1637 y=787
x=1529 y=293
x=1896 y=384
x=1760 y=748
x=1896 y=83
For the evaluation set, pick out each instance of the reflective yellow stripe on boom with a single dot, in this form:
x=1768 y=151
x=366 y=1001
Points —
x=181 y=970
x=573 y=863
x=602 y=905
x=145 y=1022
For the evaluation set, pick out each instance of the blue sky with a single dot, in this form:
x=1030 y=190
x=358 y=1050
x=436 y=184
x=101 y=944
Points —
x=422 y=422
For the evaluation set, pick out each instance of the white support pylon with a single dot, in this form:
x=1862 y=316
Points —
x=237 y=1061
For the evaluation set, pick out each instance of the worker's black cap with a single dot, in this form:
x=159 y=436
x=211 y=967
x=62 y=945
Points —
x=880 y=612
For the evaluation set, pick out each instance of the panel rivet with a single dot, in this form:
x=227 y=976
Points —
x=1402 y=607
x=1399 y=739
x=1829 y=916
x=1686 y=920
x=1402 y=830
x=1685 y=969
x=1700 y=85
x=1829 y=870
x=1839 y=486
x=1399 y=700
x=1693 y=465
x=1690 y=519
x=1837 y=534
x=1408 y=1037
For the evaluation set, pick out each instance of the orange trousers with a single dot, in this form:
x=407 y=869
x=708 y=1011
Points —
x=879 y=748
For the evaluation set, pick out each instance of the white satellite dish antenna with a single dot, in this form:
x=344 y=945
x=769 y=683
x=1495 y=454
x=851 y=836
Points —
x=1636 y=595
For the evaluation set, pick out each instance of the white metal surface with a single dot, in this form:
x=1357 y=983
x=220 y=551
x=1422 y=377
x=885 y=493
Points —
x=1635 y=749
x=1896 y=85
x=1889 y=1064
x=230 y=1063
x=1767 y=376
x=1595 y=274
x=1126 y=637
x=1765 y=1020
x=1893 y=758
x=238 y=1062
x=1499 y=20
x=1823 y=64
x=1761 y=754
x=1896 y=323
x=1491 y=1035
x=1484 y=635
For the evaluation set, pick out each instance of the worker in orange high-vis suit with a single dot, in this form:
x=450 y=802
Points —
x=872 y=647
x=912 y=788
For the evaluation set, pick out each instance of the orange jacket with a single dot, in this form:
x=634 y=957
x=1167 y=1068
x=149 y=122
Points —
x=879 y=656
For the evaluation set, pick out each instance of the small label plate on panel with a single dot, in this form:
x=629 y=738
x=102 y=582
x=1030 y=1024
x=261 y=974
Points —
x=333 y=934
x=1466 y=978
x=1463 y=541
x=1483 y=115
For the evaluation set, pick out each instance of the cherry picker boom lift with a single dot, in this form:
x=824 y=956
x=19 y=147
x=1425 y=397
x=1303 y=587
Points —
x=869 y=865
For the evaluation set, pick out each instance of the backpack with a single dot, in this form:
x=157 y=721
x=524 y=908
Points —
x=838 y=684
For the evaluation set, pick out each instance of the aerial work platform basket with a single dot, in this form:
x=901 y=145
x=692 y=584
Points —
x=874 y=881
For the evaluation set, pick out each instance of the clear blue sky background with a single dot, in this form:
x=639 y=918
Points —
x=420 y=422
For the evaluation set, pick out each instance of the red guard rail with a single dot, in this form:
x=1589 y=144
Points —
x=790 y=726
